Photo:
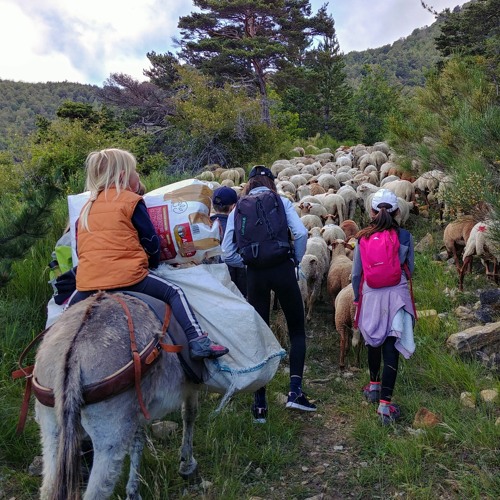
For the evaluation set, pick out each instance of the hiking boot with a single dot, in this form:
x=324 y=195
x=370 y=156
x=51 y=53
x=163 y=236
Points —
x=371 y=392
x=203 y=347
x=259 y=414
x=299 y=402
x=388 y=413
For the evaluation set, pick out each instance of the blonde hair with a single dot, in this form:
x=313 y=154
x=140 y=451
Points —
x=106 y=169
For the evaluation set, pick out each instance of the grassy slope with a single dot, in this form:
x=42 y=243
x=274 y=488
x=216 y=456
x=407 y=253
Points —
x=341 y=451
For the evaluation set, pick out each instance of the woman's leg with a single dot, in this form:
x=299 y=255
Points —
x=372 y=390
x=391 y=360
x=259 y=296
x=288 y=293
x=259 y=291
x=374 y=362
x=287 y=290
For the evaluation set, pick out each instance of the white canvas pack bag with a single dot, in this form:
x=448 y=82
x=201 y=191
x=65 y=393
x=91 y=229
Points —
x=254 y=352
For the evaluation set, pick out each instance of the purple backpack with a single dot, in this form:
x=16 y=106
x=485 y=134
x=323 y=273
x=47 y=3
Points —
x=380 y=259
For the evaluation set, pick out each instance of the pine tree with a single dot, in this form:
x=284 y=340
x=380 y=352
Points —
x=23 y=224
x=244 y=41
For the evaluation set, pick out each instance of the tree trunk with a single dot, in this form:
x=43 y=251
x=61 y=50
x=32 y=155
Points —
x=266 y=115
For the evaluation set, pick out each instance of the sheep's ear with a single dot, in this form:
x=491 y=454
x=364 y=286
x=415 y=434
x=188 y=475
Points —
x=322 y=230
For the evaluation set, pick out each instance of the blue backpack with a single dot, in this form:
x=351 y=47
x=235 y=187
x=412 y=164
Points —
x=261 y=230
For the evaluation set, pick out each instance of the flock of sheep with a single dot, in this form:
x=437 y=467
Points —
x=327 y=188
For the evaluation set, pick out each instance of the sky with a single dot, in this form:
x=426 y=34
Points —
x=86 y=40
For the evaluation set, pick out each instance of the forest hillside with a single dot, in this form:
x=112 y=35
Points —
x=405 y=61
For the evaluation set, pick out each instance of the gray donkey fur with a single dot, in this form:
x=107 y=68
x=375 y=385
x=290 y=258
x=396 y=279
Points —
x=88 y=343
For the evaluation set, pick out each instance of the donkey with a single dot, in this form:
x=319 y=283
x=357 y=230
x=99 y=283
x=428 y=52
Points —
x=87 y=344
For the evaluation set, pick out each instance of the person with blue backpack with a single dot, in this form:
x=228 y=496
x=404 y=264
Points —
x=383 y=264
x=258 y=236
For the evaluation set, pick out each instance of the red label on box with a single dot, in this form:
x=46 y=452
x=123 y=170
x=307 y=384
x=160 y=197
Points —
x=159 y=217
x=184 y=240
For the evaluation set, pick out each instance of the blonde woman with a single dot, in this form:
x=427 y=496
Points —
x=117 y=244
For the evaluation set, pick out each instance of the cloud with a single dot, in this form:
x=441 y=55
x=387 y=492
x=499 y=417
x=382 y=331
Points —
x=363 y=24
x=87 y=40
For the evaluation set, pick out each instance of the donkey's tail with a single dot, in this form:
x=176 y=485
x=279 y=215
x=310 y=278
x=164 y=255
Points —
x=68 y=404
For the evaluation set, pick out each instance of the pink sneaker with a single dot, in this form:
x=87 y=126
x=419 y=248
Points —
x=203 y=347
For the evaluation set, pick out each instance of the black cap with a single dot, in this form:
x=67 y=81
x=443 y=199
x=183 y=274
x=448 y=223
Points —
x=261 y=170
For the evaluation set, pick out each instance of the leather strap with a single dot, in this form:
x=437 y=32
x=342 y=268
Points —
x=114 y=384
x=135 y=356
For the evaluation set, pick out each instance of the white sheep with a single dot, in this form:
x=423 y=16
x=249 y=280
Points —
x=312 y=208
x=402 y=189
x=298 y=180
x=331 y=233
x=480 y=243
x=286 y=187
x=279 y=165
x=339 y=273
x=455 y=237
x=311 y=221
x=206 y=175
x=335 y=205
x=288 y=172
x=343 y=177
x=389 y=178
x=230 y=174
x=428 y=183
x=385 y=168
x=350 y=199
x=314 y=266
x=344 y=160
x=311 y=169
x=328 y=181
x=345 y=312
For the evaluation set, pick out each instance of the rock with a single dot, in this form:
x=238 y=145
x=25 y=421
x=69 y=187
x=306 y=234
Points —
x=281 y=399
x=497 y=422
x=425 y=418
x=36 y=467
x=425 y=243
x=206 y=484
x=467 y=400
x=485 y=314
x=485 y=338
x=415 y=432
x=426 y=312
x=338 y=448
x=490 y=297
x=164 y=429
x=489 y=395
x=463 y=312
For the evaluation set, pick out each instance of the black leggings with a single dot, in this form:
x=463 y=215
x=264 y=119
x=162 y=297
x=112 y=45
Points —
x=391 y=358
x=283 y=281
x=161 y=289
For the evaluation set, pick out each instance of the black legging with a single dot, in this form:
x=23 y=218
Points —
x=283 y=281
x=164 y=290
x=391 y=358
